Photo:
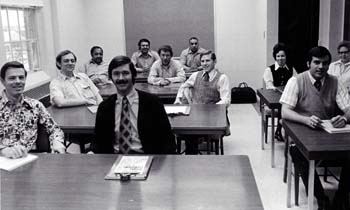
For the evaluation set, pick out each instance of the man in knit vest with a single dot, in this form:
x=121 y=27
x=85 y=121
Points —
x=208 y=86
x=309 y=98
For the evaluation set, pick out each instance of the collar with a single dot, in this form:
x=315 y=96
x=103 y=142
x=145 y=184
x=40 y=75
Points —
x=200 y=50
x=338 y=62
x=168 y=66
x=313 y=79
x=92 y=62
x=4 y=101
x=278 y=66
x=139 y=53
x=64 y=77
x=133 y=97
x=211 y=74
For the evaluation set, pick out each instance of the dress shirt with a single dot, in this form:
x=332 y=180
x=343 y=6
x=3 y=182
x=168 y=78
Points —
x=141 y=61
x=290 y=93
x=268 y=78
x=191 y=59
x=223 y=86
x=19 y=124
x=133 y=99
x=341 y=71
x=79 y=86
x=174 y=72
x=97 y=71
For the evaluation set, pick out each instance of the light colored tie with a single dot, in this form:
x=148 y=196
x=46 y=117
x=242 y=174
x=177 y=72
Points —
x=125 y=128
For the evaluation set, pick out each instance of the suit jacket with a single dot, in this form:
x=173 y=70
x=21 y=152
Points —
x=152 y=123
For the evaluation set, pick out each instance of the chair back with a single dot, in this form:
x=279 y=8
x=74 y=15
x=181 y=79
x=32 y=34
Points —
x=42 y=142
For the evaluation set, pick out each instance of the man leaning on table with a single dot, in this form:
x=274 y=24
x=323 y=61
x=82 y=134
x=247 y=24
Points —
x=208 y=86
x=20 y=116
x=131 y=121
x=309 y=98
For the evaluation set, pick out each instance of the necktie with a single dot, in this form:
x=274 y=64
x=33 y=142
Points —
x=206 y=77
x=318 y=85
x=125 y=128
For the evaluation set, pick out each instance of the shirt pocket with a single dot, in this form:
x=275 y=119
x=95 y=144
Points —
x=86 y=91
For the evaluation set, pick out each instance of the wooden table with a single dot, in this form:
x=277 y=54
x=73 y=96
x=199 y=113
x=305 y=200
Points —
x=314 y=145
x=75 y=182
x=271 y=99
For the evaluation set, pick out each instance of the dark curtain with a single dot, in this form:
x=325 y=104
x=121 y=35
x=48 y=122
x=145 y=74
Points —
x=298 y=29
x=347 y=20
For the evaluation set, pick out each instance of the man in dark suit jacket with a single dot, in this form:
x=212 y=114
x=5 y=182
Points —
x=149 y=125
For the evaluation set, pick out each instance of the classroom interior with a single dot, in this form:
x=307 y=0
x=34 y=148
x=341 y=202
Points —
x=244 y=33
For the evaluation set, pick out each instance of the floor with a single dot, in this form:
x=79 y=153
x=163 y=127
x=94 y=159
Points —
x=245 y=140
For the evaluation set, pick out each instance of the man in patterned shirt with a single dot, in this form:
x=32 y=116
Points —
x=20 y=116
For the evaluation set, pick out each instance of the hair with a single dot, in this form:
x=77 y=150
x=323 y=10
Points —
x=11 y=64
x=344 y=43
x=319 y=52
x=193 y=37
x=279 y=47
x=63 y=53
x=120 y=61
x=166 y=48
x=94 y=48
x=143 y=40
x=208 y=52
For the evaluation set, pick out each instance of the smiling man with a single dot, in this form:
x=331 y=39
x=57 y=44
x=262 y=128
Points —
x=20 y=116
x=144 y=57
x=309 y=98
x=131 y=121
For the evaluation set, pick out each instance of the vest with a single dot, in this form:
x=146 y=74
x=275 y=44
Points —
x=205 y=92
x=319 y=103
x=281 y=76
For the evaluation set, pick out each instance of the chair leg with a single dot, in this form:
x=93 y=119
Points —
x=266 y=127
x=325 y=174
x=296 y=186
x=178 y=145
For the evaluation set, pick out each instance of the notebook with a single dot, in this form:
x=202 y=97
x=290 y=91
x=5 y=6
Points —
x=327 y=126
x=177 y=109
x=11 y=164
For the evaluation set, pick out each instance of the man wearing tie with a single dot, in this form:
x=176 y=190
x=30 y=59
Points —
x=309 y=98
x=131 y=121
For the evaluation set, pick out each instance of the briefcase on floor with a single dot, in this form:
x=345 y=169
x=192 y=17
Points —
x=243 y=94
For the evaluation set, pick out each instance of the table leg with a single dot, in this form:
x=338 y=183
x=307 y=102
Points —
x=289 y=180
x=222 y=145
x=311 y=184
x=272 y=138
x=262 y=130
x=286 y=149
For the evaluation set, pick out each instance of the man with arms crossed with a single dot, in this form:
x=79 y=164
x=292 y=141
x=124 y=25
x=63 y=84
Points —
x=189 y=57
x=20 y=116
x=131 y=121
x=309 y=98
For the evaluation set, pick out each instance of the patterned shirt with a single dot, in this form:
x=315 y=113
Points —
x=98 y=73
x=174 y=72
x=19 y=125
x=341 y=71
x=144 y=62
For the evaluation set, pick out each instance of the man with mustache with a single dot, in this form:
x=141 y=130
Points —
x=131 y=121
x=20 y=116
x=309 y=98
x=96 y=68
x=144 y=57
x=166 y=70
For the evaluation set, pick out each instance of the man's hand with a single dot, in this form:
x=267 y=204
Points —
x=58 y=147
x=89 y=102
x=178 y=101
x=13 y=152
x=338 y=121
x=164 y=82
x=314 y=122
x=147 y=68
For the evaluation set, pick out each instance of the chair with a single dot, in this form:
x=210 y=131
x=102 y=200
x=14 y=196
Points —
x=42 y=141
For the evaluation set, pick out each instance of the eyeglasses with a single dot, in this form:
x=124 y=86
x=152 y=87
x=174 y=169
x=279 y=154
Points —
x=343 y=52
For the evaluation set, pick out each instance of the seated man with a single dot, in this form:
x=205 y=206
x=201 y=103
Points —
x=69 y=88
x=166 y=70
x=208 y=86
x=96 y=68
x=131 y=121
x=309 y=98
x=144 y=58
x=189 y=57
x=20 y=116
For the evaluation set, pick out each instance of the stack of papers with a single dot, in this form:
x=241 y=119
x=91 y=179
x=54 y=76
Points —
x=10 y=164
x=327 y=126
x=93 y=109
x=177 y=110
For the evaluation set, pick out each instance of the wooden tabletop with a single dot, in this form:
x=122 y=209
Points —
x=317 y=144
x=203 y=119
x=270 y=98
x=77 y=182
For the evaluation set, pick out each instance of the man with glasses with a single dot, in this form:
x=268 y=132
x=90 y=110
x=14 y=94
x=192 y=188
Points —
x=189 y=57
x=341 y=67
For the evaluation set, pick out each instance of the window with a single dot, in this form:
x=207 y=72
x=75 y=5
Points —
x=21 y=36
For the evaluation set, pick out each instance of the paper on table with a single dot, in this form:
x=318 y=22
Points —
x=92 y=109
x=177 y=110
x=131 y=165
x=10 y=164
x=327 y=126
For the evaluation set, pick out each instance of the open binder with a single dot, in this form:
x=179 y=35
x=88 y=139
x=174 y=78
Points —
x=130 y=168
x=327 y=126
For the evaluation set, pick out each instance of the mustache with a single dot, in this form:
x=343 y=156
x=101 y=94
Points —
x=121 y=81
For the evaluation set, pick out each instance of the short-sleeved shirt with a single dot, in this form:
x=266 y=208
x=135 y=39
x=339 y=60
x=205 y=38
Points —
x=79 y=86
x=142 y=61
x=174 y=72
x=97 y=71
x=341 y=71
x=19 y=124
x=191 y=59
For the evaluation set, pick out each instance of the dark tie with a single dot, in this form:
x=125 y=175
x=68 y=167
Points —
x=125 y=128
x=318 y=85
x=206 y=76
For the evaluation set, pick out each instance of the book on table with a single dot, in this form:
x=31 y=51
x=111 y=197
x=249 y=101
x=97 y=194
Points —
x=173 y=110
x=130 y=168
x=11 y=164
x=327 y=126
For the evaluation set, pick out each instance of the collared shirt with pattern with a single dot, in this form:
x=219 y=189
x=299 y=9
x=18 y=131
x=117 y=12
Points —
x=191 y=59
x=77 y=87
x=98 y=73
x=19 y=124
x=144 y=62
x=174 y=72
x=341 y=71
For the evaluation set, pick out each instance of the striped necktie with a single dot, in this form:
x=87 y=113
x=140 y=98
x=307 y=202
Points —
x=125 y=128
